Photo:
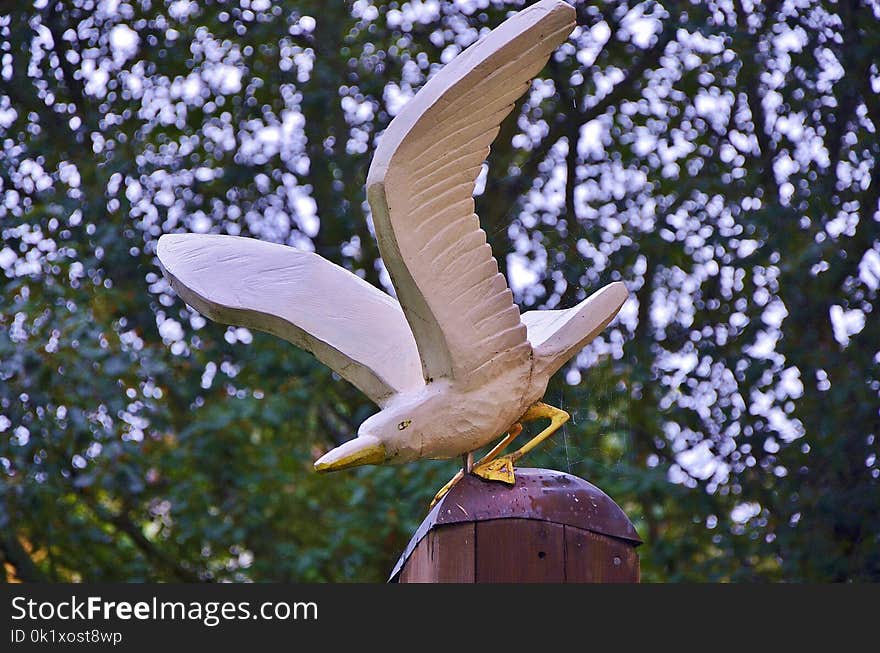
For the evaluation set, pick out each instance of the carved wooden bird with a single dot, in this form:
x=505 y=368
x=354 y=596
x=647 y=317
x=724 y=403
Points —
x=451 y=362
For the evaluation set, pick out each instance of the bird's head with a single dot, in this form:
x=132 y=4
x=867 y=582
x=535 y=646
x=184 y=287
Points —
x=393 y=435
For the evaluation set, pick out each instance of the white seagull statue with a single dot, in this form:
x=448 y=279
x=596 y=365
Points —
x=451 y=362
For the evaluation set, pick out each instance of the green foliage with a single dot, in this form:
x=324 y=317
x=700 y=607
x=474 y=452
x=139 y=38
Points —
x=725 y=167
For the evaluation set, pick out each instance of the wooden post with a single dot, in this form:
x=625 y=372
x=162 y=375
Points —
x=550 y=527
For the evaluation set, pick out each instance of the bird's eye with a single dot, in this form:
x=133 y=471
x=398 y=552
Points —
x=404 y=424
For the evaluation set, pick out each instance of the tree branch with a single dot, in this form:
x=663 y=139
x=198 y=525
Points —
x=622 y=89
x=122 y=523
x=75 y=87
x=749 y=74
x=858 y=70
x=14 y=553
x=561 y=125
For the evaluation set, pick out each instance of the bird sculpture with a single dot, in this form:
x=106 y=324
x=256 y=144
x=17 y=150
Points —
x=451 y=362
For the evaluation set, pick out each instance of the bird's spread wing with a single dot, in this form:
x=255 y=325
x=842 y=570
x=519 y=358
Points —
x=557 y=336
x=421 y=185
x=352 y=327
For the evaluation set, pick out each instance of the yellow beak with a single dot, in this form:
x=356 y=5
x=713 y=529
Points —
x=363 y=450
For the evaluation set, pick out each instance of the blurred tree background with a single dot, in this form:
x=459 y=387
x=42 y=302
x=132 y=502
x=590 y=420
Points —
x=722 y=158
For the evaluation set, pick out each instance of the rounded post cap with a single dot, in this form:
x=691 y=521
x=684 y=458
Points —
x=539 y=494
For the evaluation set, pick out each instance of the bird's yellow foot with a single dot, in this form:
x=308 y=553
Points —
x=497 y=469
x=500 y=468
x=443 y=490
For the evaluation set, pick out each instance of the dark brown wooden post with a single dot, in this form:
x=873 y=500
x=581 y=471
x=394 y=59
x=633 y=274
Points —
x=550 y=527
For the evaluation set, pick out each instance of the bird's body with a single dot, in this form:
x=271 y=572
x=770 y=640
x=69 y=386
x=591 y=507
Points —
x=475 y=416
x=451 y=362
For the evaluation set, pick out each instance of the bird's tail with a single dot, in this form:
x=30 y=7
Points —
x=556 y=336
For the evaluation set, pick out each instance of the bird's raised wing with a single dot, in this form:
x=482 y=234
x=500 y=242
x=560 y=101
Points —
x=557 y=336
x=421 y=185
x=350 y=326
